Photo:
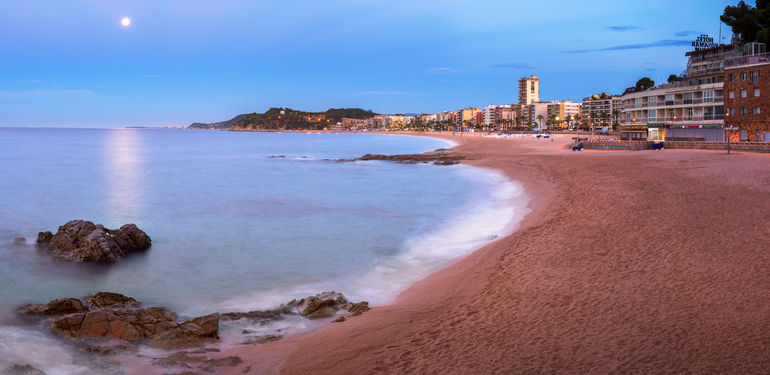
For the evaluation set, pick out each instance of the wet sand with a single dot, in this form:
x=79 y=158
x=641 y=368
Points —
x=630 y=262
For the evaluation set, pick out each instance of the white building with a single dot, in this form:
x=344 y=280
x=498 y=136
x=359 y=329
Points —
x=529 y=90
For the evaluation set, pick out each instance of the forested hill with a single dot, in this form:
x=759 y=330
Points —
x=287 y=119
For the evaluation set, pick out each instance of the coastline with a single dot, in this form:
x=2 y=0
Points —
x=582 y=285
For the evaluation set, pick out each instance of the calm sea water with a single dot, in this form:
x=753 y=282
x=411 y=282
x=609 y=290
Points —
x=232 y=228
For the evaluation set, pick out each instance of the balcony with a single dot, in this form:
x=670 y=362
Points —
x=747 y=60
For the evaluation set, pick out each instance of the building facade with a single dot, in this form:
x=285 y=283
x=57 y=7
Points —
x=690 y=109
x=601 y=109
x=747 y=95
x=529 y=90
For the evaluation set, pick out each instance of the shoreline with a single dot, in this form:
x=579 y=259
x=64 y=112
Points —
x=536 y=301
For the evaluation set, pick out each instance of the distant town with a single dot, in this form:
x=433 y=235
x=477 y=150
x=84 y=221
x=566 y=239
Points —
x=724 y=87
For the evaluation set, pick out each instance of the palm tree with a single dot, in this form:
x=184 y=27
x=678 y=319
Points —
x=616 y=117
x=539 y=121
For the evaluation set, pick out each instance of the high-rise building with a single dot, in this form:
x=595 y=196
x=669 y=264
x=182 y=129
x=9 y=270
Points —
x=600 y=109
x=529 y=90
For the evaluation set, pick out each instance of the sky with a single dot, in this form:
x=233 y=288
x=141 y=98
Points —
x=72 y=64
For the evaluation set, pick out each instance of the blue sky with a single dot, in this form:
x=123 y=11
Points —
x=70 y=63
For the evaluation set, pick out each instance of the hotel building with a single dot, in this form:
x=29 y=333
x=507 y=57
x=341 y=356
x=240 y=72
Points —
x=690 y=109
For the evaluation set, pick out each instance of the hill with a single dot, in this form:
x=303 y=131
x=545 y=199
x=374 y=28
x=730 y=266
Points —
x=286 y=119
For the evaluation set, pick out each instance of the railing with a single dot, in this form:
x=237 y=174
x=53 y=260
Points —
x=747 y=60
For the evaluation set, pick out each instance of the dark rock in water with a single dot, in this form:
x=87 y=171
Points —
x=84 y=241
x=22 y=370
x=44 y=238
x=56 y=307
x=262 y=340
x=119 y=317
x=439 y=158
x=324 y=312
x=153 y=324
x=106 y=299
x=339 y=320
x=356 y=308
x=184 y=359
x=309 y=305
x=261 y=317
x=19 y=241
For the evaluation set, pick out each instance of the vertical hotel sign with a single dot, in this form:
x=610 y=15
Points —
x=703 y=42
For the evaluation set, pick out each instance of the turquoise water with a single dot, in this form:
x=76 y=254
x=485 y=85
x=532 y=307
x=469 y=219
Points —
x=232 y=228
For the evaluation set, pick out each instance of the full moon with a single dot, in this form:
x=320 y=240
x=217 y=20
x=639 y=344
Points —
x=126 y=22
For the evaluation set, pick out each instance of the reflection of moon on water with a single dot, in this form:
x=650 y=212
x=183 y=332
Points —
x=124 y=174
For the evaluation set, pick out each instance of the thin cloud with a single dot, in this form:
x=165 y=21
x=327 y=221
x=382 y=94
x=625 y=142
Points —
x=686 y=33
x=513 y=65
x=46 y=93
x=443 y=70
x=658 y=43
x=378 y=92
x=509 y=65
x=625 y=28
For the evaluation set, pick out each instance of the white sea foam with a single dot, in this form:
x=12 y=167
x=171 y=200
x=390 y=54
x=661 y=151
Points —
x=32 y=347
x=491 y=214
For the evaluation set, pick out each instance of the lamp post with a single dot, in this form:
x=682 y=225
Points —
x=727 y=130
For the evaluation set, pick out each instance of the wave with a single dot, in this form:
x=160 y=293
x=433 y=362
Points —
x=493 y=213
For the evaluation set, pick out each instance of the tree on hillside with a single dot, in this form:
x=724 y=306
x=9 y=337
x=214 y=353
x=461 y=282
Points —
x=644 y=83
x=674 y=78
x=750 y=24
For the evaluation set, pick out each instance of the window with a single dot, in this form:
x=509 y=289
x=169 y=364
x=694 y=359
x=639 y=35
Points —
x=731 y=94
x=743 y=111
x=687 y=98
x=754 y=78
x=638 y=102
x=743 y=76
x=756 y=92
x=652 y=101
x=652 y=115
x=730 y=78
x=756 y=110
x=731 y=111
x=669 y=99
x=708 y=96
x=743 y=93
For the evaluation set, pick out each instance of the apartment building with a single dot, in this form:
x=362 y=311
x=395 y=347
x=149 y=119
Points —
x=529 y=90
x=747 y=94
x=600 y=107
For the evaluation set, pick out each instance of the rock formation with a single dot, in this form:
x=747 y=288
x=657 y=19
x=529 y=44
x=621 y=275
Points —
x=438 y=158
x=84 y=241
x=119 y=317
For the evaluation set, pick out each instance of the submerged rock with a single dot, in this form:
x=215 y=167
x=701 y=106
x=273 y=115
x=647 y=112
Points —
x=84 y=241
x=22 y=370
x=56 y=307
x=261 y=317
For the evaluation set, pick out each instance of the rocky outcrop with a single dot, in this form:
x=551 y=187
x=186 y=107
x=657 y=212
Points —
x=56 y=307
x=312 y=304
x=184 y=359
x=101 y=300
x=22 y=370
x=84 y=241
x=116 y=316
x=356 y=308
x=438 y=158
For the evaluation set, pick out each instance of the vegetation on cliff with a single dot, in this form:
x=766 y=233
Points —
x=287 y=119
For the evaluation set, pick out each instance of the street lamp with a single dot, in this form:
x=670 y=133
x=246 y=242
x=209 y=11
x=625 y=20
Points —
x=727 y=130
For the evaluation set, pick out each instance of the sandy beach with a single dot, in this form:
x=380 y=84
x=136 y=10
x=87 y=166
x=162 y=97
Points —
x=630 y=262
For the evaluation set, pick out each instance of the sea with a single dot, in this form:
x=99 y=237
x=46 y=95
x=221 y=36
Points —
x=239 y=221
